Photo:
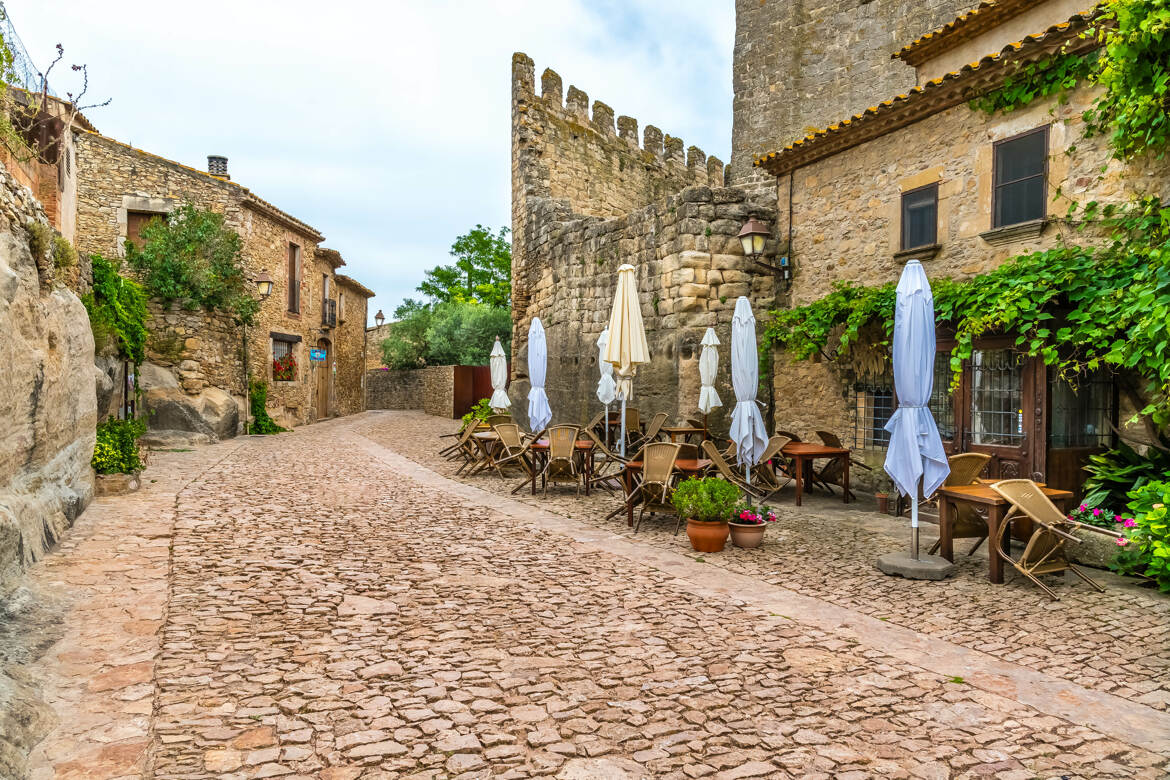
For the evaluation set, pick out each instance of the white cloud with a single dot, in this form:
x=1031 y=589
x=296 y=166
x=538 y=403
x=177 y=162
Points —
x=384 y=125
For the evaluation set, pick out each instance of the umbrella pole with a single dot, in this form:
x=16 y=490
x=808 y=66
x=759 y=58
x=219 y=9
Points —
x=623 y=441
x=705 y=434
x=606 y=434
x=914 y=524
x=747 y=476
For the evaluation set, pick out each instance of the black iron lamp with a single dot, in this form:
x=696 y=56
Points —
x=379 y=318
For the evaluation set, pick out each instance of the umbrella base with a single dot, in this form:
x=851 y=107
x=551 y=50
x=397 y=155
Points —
x=927 y=567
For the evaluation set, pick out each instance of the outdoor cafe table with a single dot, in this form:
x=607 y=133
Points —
x=981 y=496
x=539 y=450
x=685 y=431
x=689 y=467
x=803 y=453
x=485 y=440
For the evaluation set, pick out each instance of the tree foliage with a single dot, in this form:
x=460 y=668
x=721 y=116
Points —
x=482 y=270
x=194 y=258
x=117 y=306
x=454 y=333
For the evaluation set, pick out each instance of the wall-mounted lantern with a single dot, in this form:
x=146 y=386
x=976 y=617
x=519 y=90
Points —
x=263 y=284
x=753 y=236
x=379 y=318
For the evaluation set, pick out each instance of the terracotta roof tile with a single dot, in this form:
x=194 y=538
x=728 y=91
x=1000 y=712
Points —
x=983 y=17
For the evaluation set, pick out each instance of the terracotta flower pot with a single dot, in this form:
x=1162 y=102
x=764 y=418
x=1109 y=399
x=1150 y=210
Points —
x=707 y=535
x=747 y=535
x=883 y=503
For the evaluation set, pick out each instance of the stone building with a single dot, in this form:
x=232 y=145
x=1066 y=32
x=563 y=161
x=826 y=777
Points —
x=924 y=175
x=195 y=375
x=588 y=197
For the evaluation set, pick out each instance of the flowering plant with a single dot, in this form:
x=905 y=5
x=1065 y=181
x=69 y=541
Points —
x=1147 y=546
x=284 y=368
x=752 y=515
x=1100 y=517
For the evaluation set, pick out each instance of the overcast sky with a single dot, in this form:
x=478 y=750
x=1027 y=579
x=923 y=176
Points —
x=385 y=125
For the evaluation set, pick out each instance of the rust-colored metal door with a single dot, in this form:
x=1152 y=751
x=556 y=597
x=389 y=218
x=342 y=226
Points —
x=324 y=379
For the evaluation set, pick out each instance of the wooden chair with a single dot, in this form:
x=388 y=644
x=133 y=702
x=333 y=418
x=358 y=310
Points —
x=832 y=473
x=1044 y=552
x=512 y=450
x=726 y=471
x=451 y=451
x=657 y=483
x=764 y=473
x=465 y=448
x=967 y=523
x=595 y=424
x=640 y=439
x=607 y=470
x=791 y=436
x=562 y=456
x=498 y=419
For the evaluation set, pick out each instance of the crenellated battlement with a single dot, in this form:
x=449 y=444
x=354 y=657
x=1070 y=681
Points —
x=596 y=125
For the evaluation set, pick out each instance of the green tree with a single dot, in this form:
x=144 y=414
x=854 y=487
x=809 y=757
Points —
x=482 y=271
x=462 y=333
x=406 y=346
x=194 y=258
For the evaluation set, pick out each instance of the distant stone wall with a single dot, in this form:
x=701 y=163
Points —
x=349 y=341
x=430 y=389
x=690 y=270
x=374 y=338
x=799 y=66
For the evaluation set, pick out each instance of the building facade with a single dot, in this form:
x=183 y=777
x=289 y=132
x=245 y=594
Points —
x=926 y=175
x=304 y=333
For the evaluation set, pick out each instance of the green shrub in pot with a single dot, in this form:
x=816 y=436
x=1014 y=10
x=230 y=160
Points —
x=707 y=499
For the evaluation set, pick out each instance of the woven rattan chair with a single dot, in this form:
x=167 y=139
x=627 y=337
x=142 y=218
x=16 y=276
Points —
x=467 y=449
x=657 y=483
x=726 y=471
x=1044 y=552
x=967 y=523
x=595 y=425
x=451 y=451
x=498 y=419
x=772 y=473
x=512 y=451
x=833 y=472
x=562 y=463
x=633 y=420
x=640 y=439
x=607 y=469
x=688 y=451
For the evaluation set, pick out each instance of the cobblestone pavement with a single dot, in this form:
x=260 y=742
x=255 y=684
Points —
x=1118 y=642
x=335 y=611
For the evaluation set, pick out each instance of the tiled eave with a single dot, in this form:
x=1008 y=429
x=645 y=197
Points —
x=355 y=284
x=937 y=95
x=985 y=16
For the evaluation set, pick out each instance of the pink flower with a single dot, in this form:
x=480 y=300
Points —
x=1122 y=541
x=1129 y=522
x=1082 y=508
x=1117 y=518
x=1097 y=512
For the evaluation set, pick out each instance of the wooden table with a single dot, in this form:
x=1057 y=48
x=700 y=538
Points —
x=981 y=495
x=485 y=440
x=686 y=431
x=687 y=466
x=539 y=450
x=803 y=453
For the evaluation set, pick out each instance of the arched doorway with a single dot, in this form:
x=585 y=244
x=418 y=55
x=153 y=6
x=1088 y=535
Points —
x=324 y=379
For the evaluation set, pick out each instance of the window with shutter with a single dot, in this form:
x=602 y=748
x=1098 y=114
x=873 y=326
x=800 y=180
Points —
x=1021 y=167
x=135 y=222
x=920 y=217
x=294 y=279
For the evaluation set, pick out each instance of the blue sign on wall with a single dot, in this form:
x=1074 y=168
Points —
x=317 y=355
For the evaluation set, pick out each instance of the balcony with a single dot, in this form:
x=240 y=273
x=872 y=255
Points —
x=329 y=313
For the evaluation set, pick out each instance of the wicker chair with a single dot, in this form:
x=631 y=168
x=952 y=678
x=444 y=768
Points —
x=688 y=451
x=512 y=450
x=607 y=470
x=657 y=483
x=966 y=523
x=766 y=477
x=727 y=472
x=1044 y=552
x=594 y=425
x=640 y=439
x=833 y=472
x=562 y=457
x=498 y=419
x=451 y=451
x=465 y=448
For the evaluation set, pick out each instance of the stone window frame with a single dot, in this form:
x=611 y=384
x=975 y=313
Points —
x=933 y=243
x=996 y=184
x=295 y=268
x=294 y=342
x=141 y=204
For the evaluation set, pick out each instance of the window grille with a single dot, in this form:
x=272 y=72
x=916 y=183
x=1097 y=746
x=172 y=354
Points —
x=997 y=413
x=873 y=403
x=1081 y=416
x=942 y=400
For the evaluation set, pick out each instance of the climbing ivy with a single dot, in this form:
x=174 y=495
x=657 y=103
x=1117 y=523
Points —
x=117 y=306
x=1055 y=75
x=258 y=402
x=1077 y=308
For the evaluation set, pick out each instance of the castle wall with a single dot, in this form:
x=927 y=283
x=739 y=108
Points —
x=799 y=66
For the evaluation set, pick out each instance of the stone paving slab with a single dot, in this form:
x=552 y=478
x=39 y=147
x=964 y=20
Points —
x=333 y=611
x=1117 y=642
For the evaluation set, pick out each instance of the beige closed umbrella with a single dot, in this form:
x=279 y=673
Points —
x=626 y=349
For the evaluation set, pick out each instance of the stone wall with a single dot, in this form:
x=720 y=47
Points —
x=799 y=66
x=48 y=400
x=349 y=341
x=374 y=338
x=430 y=389
x=846 y=219
x=690 y=270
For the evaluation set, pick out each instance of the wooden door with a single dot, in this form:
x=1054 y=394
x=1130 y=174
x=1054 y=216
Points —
x=1001 y=409
x=324 y=379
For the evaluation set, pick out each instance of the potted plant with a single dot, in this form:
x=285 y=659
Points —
x=748 y=524
x=882 y=494
x=706 y=504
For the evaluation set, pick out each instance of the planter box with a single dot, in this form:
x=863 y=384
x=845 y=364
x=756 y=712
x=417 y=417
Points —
x=1094 y=550
x=116 y=484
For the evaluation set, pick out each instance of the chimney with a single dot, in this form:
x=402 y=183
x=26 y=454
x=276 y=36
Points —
x=217 y=166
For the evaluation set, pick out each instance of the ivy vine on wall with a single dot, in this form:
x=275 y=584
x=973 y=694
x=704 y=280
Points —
x=117 y=307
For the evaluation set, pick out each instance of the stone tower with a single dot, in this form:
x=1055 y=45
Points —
x=799 y=65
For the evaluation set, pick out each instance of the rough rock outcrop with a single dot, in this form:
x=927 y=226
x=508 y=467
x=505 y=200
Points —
x=176 y=417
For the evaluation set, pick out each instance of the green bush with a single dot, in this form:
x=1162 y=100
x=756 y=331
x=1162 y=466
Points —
x=406 y=346
x=462 y=333
x=709 y=498
x=116 y=451
x=117 y=307
x=39 y=239
x=1113 y=474
x=481 y=411
x=64 y=255
x=1147 y=552
x=258 y=403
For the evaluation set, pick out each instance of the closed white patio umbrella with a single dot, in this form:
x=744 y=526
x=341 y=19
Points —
x=606 y=389
x=708 y=367
x=626 y=348
x=915 y=455
x=499 y=367
x=747 y=424
x=539 y=413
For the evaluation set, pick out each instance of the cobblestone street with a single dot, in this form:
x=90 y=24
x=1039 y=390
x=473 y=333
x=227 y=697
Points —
x=336 y=606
